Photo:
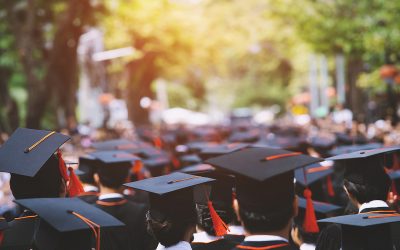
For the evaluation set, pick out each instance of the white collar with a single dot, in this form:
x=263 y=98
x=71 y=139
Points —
x=265 y=238
x=307 y=246
x=372 y=204
x=90 y=188
x=204 y=237
x=236 y=230
x=181 y=245
x=110 y=196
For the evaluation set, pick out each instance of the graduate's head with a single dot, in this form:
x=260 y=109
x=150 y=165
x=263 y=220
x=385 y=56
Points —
x=366 y=180
x=266 y=200
x=88 y=166
x=266 y=206
x=172 y=215
x=113 y=168
x=47 y=183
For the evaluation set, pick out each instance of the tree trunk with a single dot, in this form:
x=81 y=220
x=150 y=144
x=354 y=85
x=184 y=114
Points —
x=355 y=97
x=9 y=115
x=141 y=74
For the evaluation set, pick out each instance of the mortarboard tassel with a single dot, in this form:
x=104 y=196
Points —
x=219 y=225
x=157 y=142
x=310 y=221
x=62 y=166
x=137 y=170
x=329 y=186
x=74 y=186
x=93 y=226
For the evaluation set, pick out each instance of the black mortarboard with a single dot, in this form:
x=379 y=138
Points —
x=114 y=156
x=173 y=194
x=196 y=147
x=198 y=168
x=87 y=167
x=207 y=153
x=27 y=150
x=118 y=144
x=363 y=154
x=321 y=208
x=368 y=231
x=190 y=159
x=313 y=172
x=353 y=148
x=3 y=224
x=261 y=164
x=58 y=212
x=246 y=136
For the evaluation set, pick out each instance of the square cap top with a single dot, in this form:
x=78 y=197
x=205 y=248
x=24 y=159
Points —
x=165 y=184
x=58 y=213
x=27 y=150
x=198 y=168
x=3 y=224
x=118 y=144
x=353 y=148
x=261 y=163
x=193 y=158
x=363 y=220
x=159 y=162
x=110 y=157
x=319 y=207
x=313 y=172
x=223 y=149
x=364 y=154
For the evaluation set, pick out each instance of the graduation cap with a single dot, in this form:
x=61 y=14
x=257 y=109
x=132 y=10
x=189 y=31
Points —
x=315 y=172
x=259 y=169
x=114 y=156
x=118 y=144
x=322 y=209
x=30 y=149
x=172 y=195
x=246 y=136
x=209 y=152
x=368 y=231
x=70 y=214
x=353 y=148
x=197 y=168
x=362 y=154
x=190 y=159
x=196 y=147
x=87 y=167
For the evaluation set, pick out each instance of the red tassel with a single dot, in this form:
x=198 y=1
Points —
x=62 y=166
x=1 y=237
x=157 y=142
x=329 y=186
x=137 y=170
x=310 y=221
x=74 y=186
x=220 y=227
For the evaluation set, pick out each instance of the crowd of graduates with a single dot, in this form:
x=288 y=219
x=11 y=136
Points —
x=235 y=186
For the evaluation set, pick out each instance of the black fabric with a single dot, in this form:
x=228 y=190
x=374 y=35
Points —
x=89 y=197
x=221 y=244
x=20 y=234
x=261 y=244
x=134 y=235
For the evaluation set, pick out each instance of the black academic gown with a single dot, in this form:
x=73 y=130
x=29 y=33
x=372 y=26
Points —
x=134 y=235
x=21 y=232
x=263 y=245
x=89 y=197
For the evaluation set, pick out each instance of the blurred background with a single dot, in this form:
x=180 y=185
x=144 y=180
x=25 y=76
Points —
x=79 y=64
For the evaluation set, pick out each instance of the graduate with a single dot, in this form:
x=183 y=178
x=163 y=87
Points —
x=36 y=172
x=112 y=171
x=87 y=166
x=172 y=215
x=366 y=184
x=266 y=202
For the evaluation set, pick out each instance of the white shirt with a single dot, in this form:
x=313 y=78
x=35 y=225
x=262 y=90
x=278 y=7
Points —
x=204 y=237
x=90 y=188
x=372 y=204
x=110 y=196
x=307 y=246
x=237 y=230
x=265 y=238
x=181 y=245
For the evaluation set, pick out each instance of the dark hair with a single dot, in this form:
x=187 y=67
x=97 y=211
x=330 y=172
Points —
x=306 y=237
x=47 y=183
x=368 y=191
x=169 y=230
x=266 y=211
x=113 y=176
x=204 y=220
x=89 y=171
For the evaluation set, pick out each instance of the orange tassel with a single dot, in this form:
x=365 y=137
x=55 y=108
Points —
x=157 y=142
x=175 y=162
x=329 y=186
x=310 y=221
x=62 y=166
x=74 y=186
x=220 y=227
x=137 y=170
